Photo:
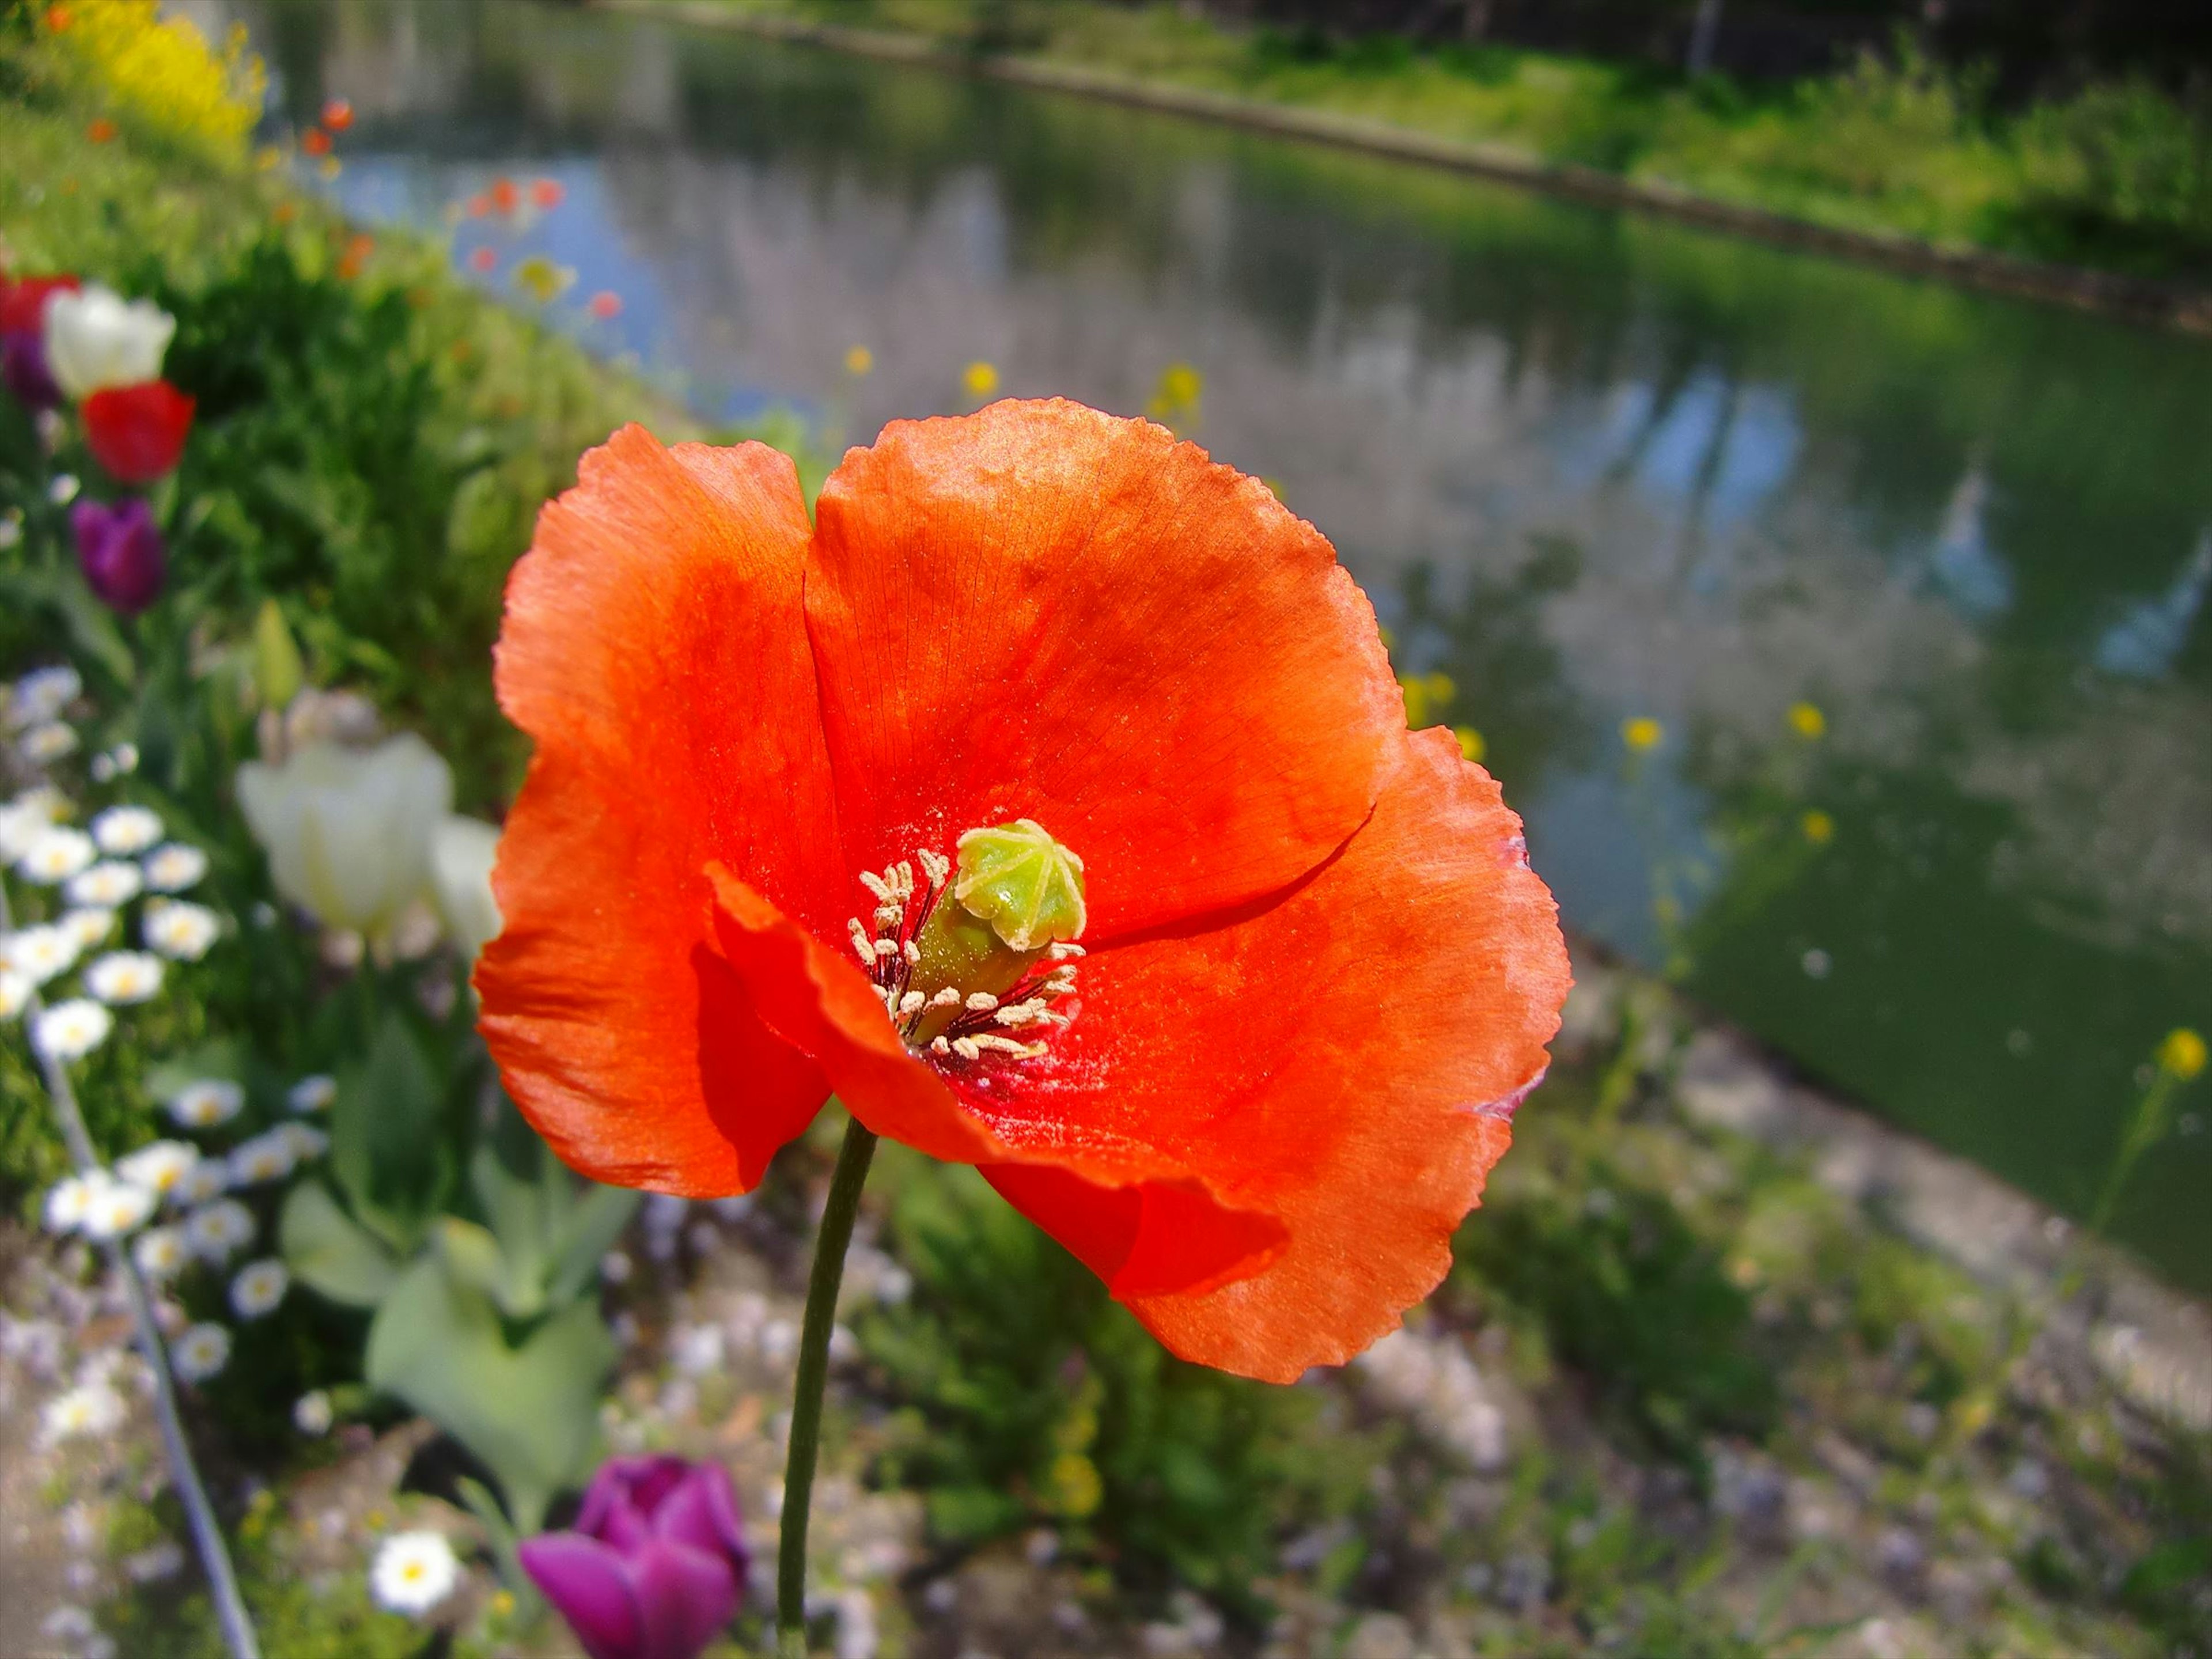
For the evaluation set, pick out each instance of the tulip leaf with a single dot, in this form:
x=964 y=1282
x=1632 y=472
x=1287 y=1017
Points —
x=528 y=1412
x=594 y=1223
x=328 y=1251
x=473 y=1257
x=386 y=1149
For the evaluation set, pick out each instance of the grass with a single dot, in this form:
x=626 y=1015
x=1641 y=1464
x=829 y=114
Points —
x=2117 y=175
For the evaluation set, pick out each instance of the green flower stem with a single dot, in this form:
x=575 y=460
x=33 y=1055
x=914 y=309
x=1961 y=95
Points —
x=837 y=1217
x=199 y=1514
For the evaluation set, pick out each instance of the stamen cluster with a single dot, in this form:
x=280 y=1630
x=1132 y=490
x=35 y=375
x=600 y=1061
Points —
x=951 y=1021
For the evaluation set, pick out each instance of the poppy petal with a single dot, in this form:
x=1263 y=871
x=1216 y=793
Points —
x=653 y=648
x=1137 y=1218
x=1345 y=1058
x=1039 y=611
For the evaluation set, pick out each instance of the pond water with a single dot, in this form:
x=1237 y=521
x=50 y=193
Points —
x=1590 y=465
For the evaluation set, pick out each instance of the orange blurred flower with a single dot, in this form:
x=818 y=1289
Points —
x=505 y=195
x=356 y=257
x=549 y=193
x=58 y=19
x=101 y=130
x=1028 y=674
x=606 y=305
x=284 y=213
x=482 y=259
x=479 y=205
x=337 y=115
x=315 y=142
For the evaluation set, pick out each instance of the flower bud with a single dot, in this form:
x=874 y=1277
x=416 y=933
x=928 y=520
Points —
x=120 y=550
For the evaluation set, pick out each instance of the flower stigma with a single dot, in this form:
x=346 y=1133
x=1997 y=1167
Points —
x=971 y=958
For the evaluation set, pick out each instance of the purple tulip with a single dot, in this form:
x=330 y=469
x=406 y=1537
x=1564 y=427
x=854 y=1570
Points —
x=121 y=552
x=23 y=369
x=655 y=1563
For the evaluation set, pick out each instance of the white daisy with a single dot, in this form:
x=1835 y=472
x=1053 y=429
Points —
x=124 y=976
x=44 y=744
x=266 y=1157
x=205 y=1182
x=118 y=761
x=71 y=1030
x=42 y=694
x=260 y=1286
x=106 y=884
x=200 y=1353
x=87 y=926
x=67 y=1201
x=305 y=1142
x=55 y=854
x=123 y=830
x=160 y=1252
x=117 y=1208
x=173 y=868
x=206 y=1103
x=219 y=1230
x=39 y=953
x=15 y=993
x=413 y=1572
x=63 y=490
x=312 y=1414
x=179 y=930
x=312 y=1094
x=92 y=1409
x=19 y=827
x=160 y=1167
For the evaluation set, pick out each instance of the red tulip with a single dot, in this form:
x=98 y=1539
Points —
x=137 y=432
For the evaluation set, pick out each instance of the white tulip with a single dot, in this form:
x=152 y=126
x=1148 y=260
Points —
x=461 y=852
x=96 y=339
x=347 y=831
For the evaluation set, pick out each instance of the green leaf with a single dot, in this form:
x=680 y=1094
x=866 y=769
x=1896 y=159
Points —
x=473 y=1257
x=592 y=1224
x=386 y=1152
x=528 y=1413
x=328 y=1251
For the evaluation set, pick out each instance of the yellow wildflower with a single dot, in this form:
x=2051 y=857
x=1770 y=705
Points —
x=859 y=360
x=1819 y=829
x=2182 y=1054
x=163 y=72
x=981 y=380
x=1471 y=745
x=1807 y=720
x=541 y=280
x=1641 y=732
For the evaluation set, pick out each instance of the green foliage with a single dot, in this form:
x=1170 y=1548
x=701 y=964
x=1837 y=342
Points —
x=1631 y=1295
x=1030 y=1397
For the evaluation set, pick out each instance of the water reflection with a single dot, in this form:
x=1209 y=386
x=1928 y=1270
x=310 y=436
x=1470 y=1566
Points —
x=1588 y=465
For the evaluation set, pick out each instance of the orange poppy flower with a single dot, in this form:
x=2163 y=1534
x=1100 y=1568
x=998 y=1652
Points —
x=548 y=193
x=506 y=195
x=1317 y=973
x=315 y=142
x=99 y=130
x=337 y=115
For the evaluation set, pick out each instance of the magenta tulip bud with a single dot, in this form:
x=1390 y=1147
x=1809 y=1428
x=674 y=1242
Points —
x=121 y=552
x=655 y=1563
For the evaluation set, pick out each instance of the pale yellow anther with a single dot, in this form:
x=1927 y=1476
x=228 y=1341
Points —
x=886 y=947
x=887 y=916
x=875 y=885
x=911 y=952
x=983 y=1002
x=1023 y=882
x=939 y=1046
x=967 y=1048
x=912 y=1002
x=947 y=998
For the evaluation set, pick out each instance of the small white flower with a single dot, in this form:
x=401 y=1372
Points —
x=87 y=926
x=205 y=1182
x=312 y=1413
x=39 y=953
x=124 y=831
x=206 y=1103
x=160 y=1167
x=179 y=931
x=43 y=693
x=55 y=854
x=67 y=1201
x=413 y=1572
x=92 y=1409
x=173 y=868
x=312 y=1094
x=116 y=1209
x=219 y=1230
x=200 y=1353
x=124 y=976
x=42 y=746
x=306 y=1143
x=95 y=339
x=106 y=884
x=266 y=1157
x=260 y=1286
x=72 y=1030
x=15 y=993
x=63 y=491
x=117 y=763
x=160 y=1252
